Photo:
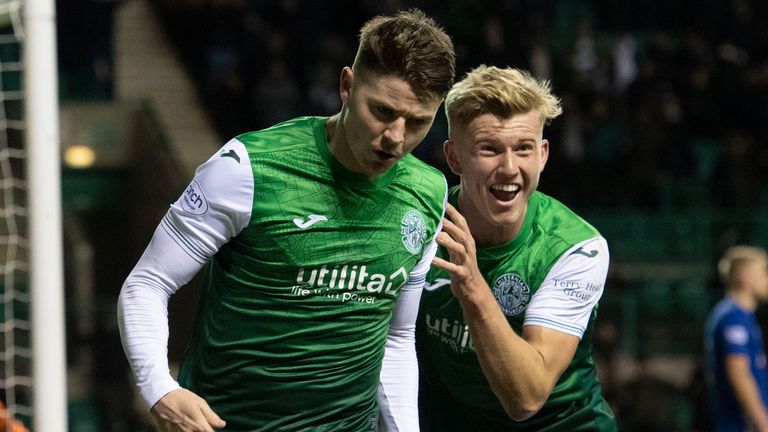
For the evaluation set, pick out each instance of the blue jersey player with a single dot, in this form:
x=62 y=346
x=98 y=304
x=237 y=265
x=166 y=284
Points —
x=735 y=355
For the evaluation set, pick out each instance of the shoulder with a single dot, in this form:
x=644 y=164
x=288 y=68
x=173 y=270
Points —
x=286 y=136
x=558 y=222
x=726 y=313
x=411 y=166
x=422 y=178
x=228 y=166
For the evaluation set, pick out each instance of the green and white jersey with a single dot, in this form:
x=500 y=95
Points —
x=551 y=275
x=306 y=263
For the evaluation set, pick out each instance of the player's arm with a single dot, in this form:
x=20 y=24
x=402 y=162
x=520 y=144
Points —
x=143 y=319
x=745 y=388
x=521 y=369
x=215 y=207
x=399 y=382
x=398 y=389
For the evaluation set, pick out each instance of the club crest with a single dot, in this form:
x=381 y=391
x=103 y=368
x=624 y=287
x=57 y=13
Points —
x=512 y=293
x=413 y=231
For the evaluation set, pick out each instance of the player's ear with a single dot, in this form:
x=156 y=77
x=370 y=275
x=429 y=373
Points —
x=449 y=150
x=345 y=83
x=544 y=154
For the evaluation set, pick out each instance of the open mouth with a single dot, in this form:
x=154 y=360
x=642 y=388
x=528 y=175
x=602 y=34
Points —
x=505 y=192
x=385 y=158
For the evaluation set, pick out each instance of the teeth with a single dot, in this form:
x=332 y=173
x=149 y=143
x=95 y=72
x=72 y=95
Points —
x=506 y=187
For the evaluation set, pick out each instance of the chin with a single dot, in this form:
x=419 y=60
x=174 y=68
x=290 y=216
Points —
x=503 y=219
x=505 y=216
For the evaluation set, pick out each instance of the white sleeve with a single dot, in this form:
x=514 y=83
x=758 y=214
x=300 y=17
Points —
x=399 y=386
x=399 y=382
x=215 y=207
x=570 y=291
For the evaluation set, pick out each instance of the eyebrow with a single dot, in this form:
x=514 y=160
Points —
x=389 y=106
x=425 y=118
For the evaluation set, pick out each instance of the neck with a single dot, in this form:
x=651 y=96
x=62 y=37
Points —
x=338 y=146
x=332 y=135
x=337 y=141
x=745 y=300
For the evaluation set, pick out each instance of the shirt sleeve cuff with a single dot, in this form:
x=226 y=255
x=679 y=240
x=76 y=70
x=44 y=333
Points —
x=156 y=388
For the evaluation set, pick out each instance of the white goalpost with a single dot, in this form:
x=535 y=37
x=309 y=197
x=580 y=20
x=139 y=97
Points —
x=46 y=275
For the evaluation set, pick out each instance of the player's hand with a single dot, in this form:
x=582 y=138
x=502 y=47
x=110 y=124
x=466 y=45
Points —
x=466 y=279
x=183 y=411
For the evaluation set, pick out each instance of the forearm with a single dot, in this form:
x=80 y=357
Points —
x=746 y=391
x=750 y=400
x=398 y=390
x=516 y=371
x=143 y=313
x=399 y=387
x=143 y=322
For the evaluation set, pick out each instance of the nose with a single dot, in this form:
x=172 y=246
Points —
x=508 y=164
x=395 y=132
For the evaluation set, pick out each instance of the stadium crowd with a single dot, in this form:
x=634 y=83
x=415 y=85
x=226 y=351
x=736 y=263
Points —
x=664 y=102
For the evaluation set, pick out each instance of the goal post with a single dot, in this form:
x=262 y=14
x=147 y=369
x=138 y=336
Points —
x=46 y=274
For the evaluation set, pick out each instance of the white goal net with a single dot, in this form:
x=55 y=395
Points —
x=15 y=336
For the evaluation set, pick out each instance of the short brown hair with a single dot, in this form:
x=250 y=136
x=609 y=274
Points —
x=408 y=45
x=501 y=92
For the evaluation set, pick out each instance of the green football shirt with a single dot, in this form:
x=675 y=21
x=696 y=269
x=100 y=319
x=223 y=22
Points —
x=296 y=307
x=550 y=275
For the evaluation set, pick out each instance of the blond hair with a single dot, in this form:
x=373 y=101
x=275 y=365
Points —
x=501 y=92
x=411 y=46
x=735 y=258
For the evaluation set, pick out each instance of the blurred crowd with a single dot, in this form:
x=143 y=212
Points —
x=665 y=102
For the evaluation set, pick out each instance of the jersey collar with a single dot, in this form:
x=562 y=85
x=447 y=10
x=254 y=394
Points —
x=521 y=238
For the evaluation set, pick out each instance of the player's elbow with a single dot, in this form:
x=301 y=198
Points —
x=524 y=409
x=521 y=401
x=519 y=414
